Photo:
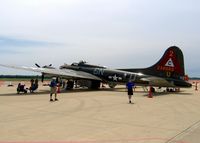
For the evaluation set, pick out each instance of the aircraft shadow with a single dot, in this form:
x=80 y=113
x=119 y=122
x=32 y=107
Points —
x=168 y=93
x=77 y=90
x=25 y=94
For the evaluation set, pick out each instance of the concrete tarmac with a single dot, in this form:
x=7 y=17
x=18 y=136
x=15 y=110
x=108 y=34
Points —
x=104 y=116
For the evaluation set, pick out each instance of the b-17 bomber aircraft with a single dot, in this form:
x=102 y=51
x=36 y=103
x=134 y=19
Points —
x=169 y=71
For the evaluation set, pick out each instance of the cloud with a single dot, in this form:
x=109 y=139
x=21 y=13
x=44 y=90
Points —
x=15 y=42
x=128 y=33
x=18 y=46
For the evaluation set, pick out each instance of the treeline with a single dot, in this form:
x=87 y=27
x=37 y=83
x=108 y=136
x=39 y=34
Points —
x=22 y=77
x=194 y=78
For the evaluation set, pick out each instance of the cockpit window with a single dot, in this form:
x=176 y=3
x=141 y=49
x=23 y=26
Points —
x=74 y=64
x=82 y=63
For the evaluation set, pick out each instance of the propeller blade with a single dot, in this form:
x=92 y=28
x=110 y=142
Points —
x=37 y=65
x=42 y=77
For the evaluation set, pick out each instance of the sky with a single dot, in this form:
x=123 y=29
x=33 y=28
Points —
x=112 y=33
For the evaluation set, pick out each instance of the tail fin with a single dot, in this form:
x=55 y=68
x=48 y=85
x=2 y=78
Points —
x=171 y=65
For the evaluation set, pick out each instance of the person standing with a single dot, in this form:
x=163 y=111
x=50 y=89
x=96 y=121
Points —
x=129 y=87
x=36 y=83
x=53 y=89
x=32 y=86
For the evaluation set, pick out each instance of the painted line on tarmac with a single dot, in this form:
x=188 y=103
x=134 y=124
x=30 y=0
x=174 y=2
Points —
x=185 y=132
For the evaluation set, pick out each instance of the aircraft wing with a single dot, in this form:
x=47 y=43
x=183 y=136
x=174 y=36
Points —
x=65 y=73
x=157 y=81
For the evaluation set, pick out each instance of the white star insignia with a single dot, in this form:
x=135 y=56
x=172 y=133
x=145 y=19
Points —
x=115 y=78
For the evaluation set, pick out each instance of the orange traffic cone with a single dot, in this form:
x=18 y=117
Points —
x=196 y=86
x=58 y=90
x=150 y=92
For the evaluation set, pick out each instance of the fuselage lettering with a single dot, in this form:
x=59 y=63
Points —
x=171 y=53
x=98 y=71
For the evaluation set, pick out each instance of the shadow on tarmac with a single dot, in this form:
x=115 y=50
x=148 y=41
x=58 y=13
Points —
x=77 y=90
x=167 y=93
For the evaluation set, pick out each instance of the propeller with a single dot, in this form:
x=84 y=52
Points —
x=37 y=65
x=46 y=66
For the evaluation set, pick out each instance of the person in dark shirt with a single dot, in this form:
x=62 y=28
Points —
x=53 y=89
x=129 y=87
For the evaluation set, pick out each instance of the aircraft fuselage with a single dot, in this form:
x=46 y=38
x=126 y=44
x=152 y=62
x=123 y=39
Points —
x=114 y=76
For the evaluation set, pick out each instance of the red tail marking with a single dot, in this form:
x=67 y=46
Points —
x=169 y=62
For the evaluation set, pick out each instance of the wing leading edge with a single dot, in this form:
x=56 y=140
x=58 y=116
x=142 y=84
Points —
x=65 y=73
